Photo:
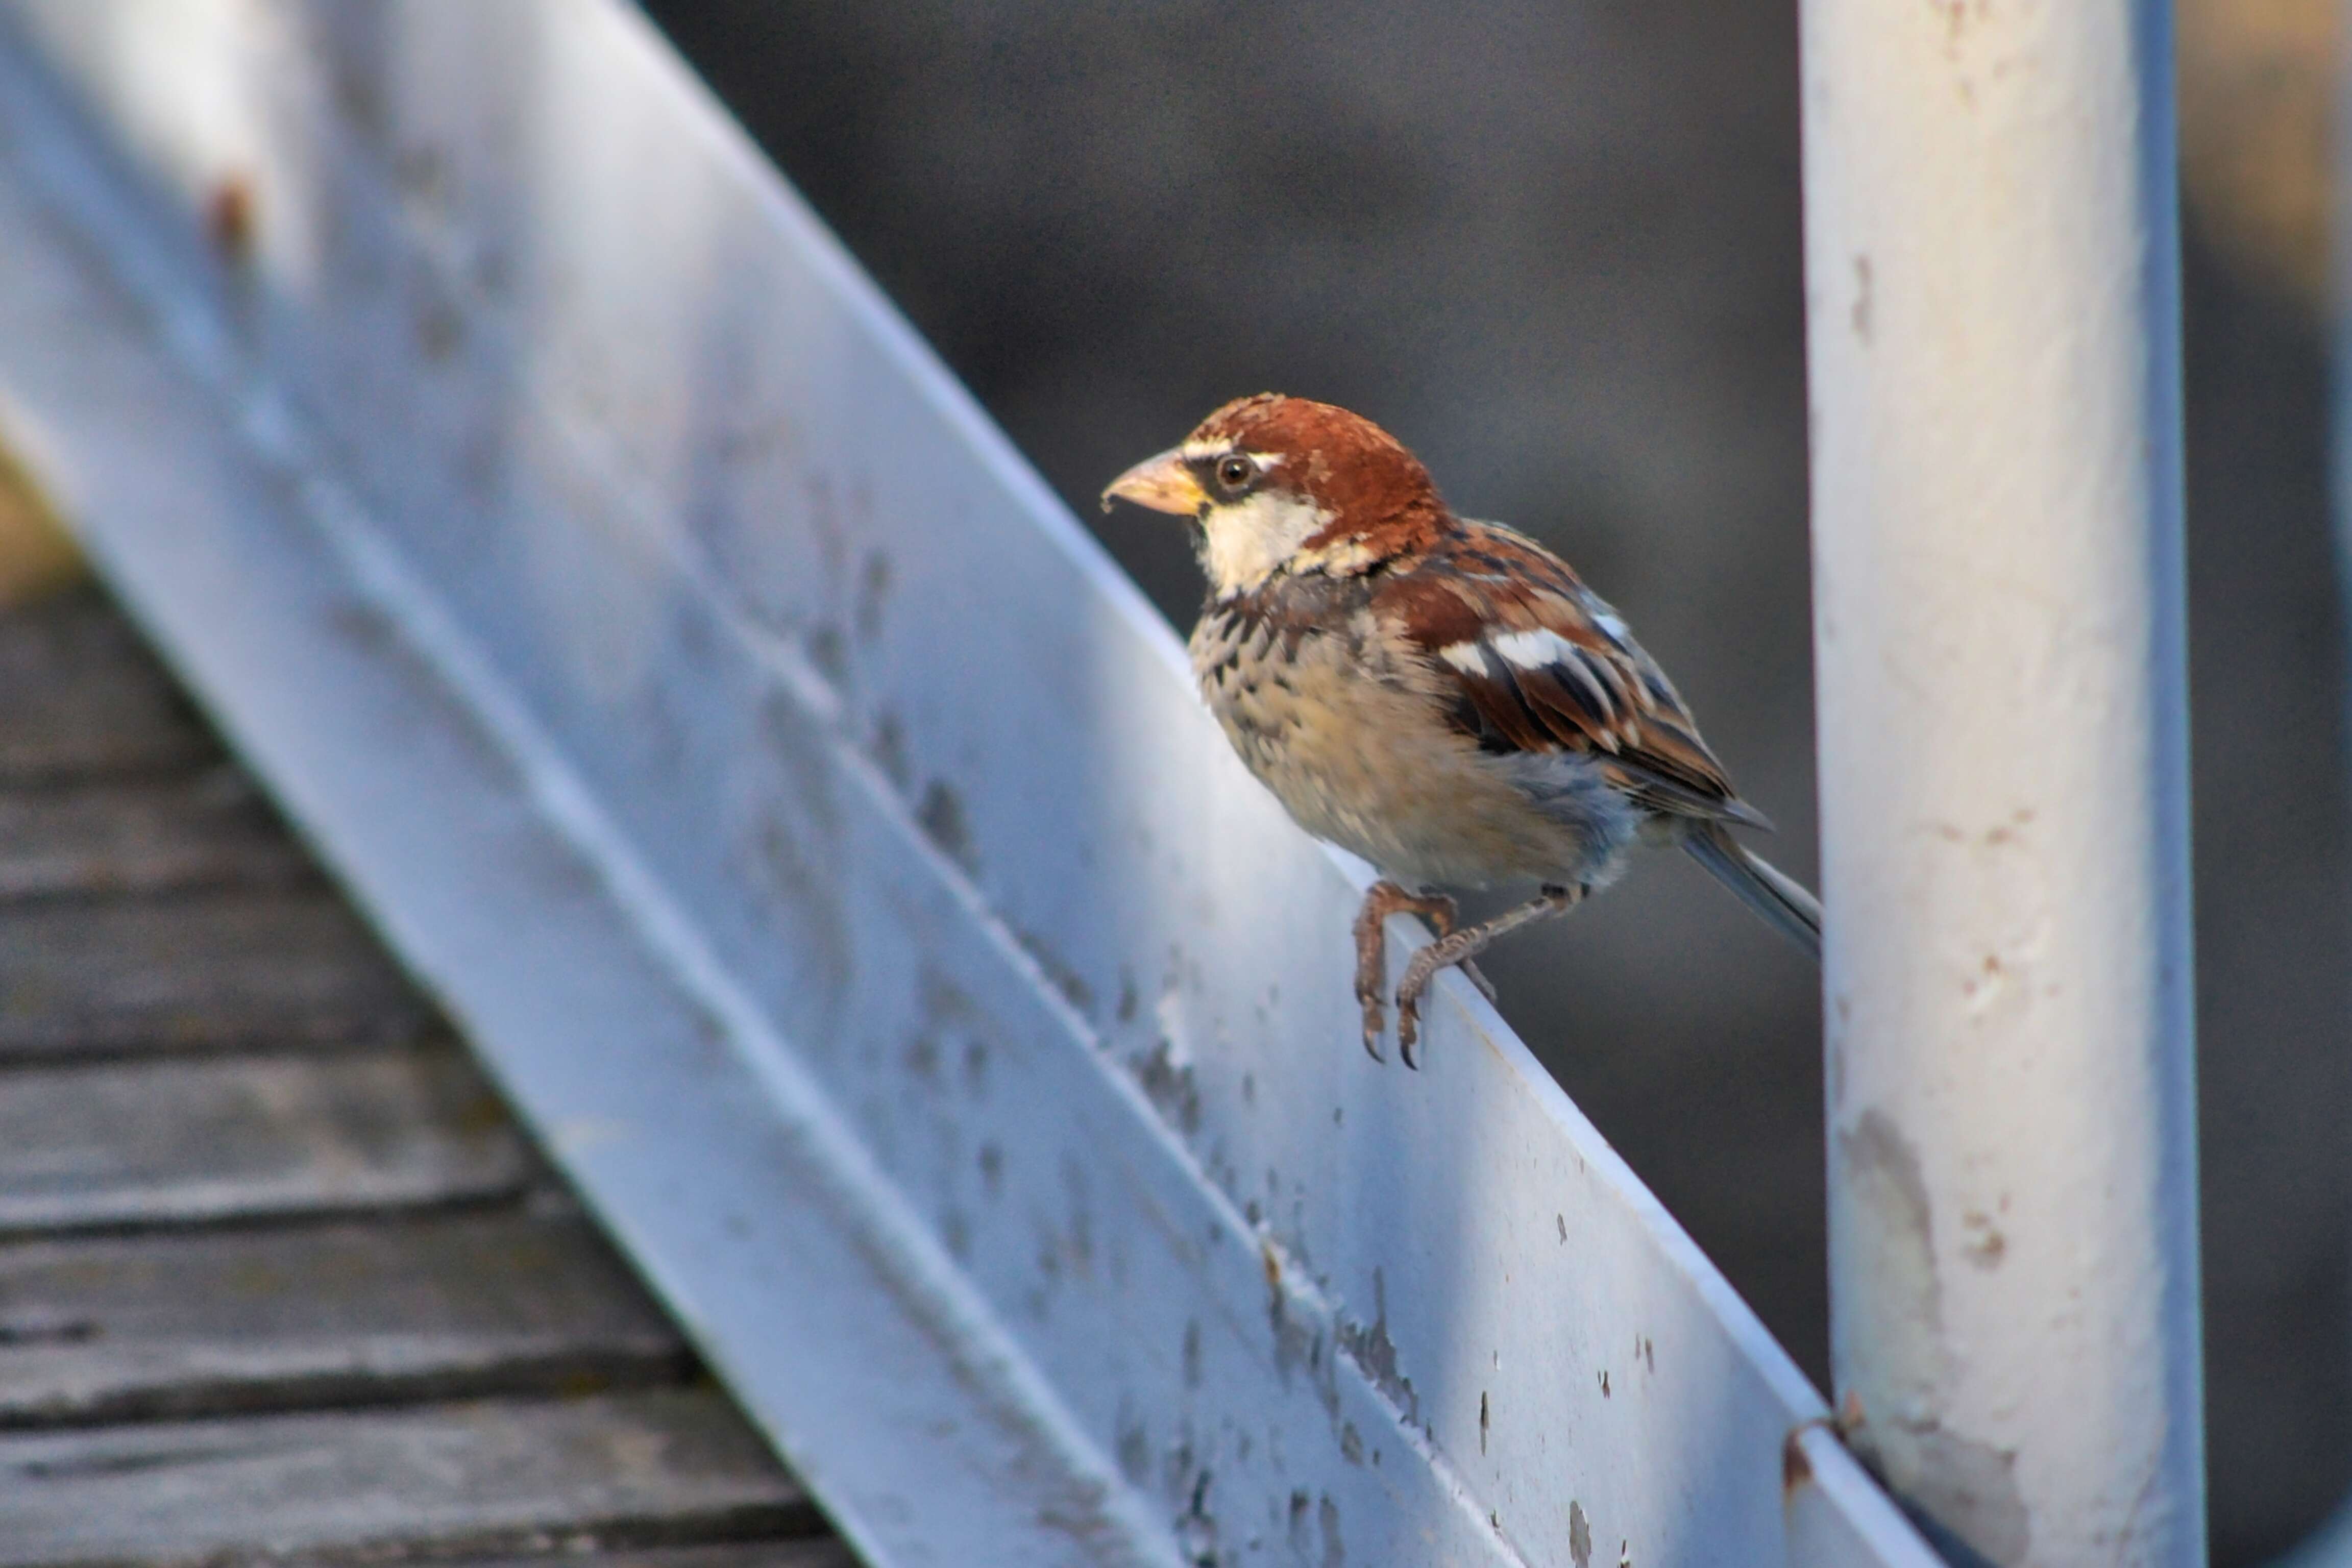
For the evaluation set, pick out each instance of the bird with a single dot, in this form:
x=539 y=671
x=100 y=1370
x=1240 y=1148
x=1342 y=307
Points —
x=1441 y=697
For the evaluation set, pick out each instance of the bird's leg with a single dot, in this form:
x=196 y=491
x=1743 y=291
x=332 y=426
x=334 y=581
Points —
x=1458 y=946
x=1381 y=900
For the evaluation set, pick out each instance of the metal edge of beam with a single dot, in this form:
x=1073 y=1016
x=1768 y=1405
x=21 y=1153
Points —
x=1068 y=1309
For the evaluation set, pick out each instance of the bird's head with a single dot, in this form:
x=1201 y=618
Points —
x=1279 y=484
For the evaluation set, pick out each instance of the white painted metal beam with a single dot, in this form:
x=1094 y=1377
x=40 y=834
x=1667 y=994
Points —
x=1991 y=254
x=819 y=837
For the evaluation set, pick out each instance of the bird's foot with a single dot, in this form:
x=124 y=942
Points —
x=1457 y=948
x=1383 y=900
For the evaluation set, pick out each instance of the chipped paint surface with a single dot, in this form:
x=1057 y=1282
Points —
x=934 y=924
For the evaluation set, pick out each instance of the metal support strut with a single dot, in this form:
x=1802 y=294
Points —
x=1992 y=256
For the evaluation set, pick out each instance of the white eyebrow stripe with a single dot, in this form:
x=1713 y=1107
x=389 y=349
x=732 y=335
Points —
x=1202 y=451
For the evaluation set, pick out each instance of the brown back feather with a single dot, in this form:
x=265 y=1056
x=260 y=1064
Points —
x=1593 y=692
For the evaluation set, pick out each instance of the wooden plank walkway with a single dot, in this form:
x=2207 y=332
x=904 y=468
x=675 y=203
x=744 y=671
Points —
x=280 y=1278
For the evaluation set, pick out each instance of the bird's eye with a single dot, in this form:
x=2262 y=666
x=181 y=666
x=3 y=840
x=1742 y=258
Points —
x=1235 y=471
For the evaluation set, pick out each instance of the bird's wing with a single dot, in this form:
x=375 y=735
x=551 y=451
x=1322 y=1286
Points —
x=1535 y=661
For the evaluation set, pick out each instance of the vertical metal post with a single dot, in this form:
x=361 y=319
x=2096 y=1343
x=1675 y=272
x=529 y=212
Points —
x=1992 y=256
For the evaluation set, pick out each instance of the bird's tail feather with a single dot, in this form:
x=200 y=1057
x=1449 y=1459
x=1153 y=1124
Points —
x=1782 y=900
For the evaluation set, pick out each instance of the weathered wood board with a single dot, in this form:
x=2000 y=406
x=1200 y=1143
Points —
x=207 y=829
x=181 y=1142
x=78 y=696
x=285 y=1267
x=667 y=1465
x=441 y=1306
x=197 y=970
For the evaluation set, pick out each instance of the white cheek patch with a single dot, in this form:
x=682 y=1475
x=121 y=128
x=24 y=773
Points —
x=1246 y=542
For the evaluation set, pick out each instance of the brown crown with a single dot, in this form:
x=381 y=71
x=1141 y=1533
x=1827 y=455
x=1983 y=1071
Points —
x=1348 y=465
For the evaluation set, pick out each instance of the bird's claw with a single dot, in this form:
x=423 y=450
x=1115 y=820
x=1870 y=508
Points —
x=1383 y=900
x=1410 y=991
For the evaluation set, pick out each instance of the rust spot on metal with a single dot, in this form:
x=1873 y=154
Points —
x=231 y=219
x=1984 y=1244
x=1796 y=1470
x=1273 y=1261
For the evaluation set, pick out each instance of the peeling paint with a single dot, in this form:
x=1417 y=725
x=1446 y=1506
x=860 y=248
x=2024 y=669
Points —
x=1966 y=1497
x=1134 y=1445
x=887 y=747
x=941 y=817
x=1984 y=1243
x=1889 y=1195
x=1372 y=1350
x=1326 y=1519
x=873 y=593
x=1066 y=979
x=1165 y=1073
x=1298 y=1345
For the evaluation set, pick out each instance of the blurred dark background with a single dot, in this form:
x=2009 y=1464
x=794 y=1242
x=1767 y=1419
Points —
x=1556 y=248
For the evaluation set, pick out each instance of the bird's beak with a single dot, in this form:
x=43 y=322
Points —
x=1163 y=483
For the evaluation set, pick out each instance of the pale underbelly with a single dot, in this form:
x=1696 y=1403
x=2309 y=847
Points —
x=1440 y=811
